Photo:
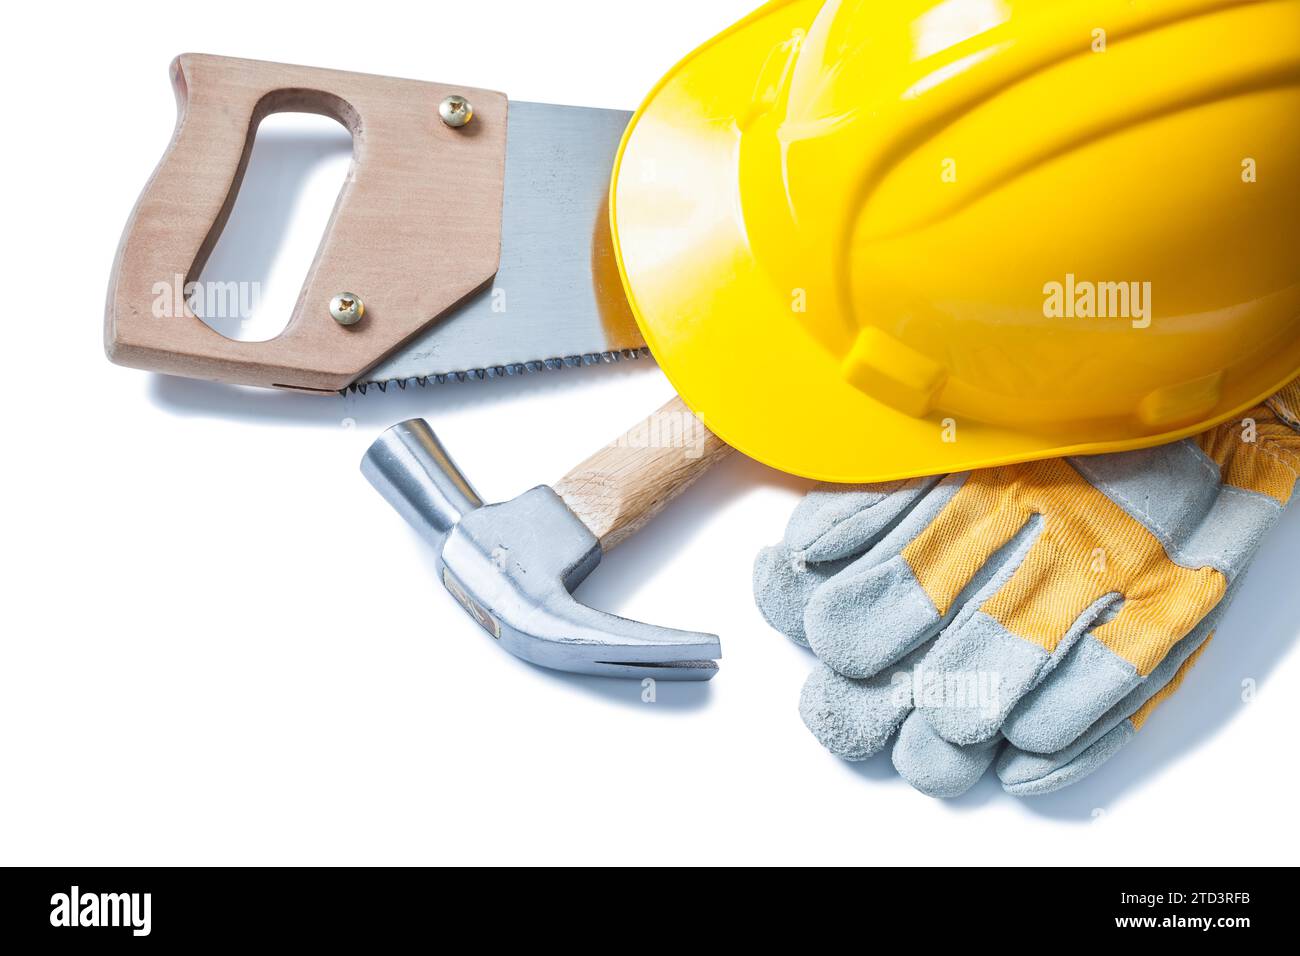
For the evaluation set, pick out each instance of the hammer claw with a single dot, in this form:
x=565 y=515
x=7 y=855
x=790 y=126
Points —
x=543 y=623
x=673 y=670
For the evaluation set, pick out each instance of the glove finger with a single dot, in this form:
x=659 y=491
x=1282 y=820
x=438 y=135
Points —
x=835 y=522
x=936 y=767
x=874 y=611
x=1088 y=683
x=984 y=670
x=783 y=584
x=831 y=526
x=854 y=718
x=861 y=622
x=1028 y=774
x=1024 y=774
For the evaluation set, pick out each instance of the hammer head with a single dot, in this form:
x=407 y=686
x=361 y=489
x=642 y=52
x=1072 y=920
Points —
x=513 y=566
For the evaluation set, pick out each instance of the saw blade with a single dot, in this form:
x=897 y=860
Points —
x=557 y=299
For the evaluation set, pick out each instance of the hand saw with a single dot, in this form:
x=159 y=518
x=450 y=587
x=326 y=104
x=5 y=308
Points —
x=470 y=240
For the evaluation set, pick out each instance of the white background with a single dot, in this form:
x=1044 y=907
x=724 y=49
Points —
x=219 y=645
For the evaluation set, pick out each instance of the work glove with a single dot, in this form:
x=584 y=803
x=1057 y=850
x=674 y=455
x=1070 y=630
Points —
x=1050 y=604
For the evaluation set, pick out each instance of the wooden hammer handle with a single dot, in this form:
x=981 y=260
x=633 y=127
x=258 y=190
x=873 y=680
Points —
x=626 y=483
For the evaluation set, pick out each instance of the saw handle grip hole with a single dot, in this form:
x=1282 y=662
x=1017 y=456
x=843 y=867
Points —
x=247 y=288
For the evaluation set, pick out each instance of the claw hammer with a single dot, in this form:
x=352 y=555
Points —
x=514 y=565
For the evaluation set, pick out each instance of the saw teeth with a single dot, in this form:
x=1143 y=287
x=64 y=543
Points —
x=503 y=371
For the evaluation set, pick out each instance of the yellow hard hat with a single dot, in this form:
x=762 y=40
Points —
x=873 y=240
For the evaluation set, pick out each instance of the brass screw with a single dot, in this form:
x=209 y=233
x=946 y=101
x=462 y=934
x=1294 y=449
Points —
x=347 y=309
x=455 y=111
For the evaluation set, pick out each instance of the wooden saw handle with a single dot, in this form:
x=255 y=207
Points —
x=625 y=484
x=417 y=225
